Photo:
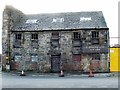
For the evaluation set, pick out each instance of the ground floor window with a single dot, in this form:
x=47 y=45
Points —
x=34 y=58
x=96 y=56
x=18 y=58
x=18 y=40
x=76 y=57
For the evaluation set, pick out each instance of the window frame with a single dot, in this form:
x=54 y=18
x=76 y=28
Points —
x=55 y=40
x=77 y=35
x=96 y=56
x=55 y=36
x=18 y=55
x=34 y=36
x=95 y=36
x=18 y=38
x=34 y=55
x=34 y=39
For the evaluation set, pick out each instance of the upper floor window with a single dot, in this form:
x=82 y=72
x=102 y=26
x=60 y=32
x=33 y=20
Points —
x=34 y=40
x=76 y=43
x=34 y=36
x=95 y=37
x=18 y=36
x=55 y=43
x=18 y=40
x=77 y=57
x=55 y=39
x=77 y=35
x=55 y=35
x=95 y=34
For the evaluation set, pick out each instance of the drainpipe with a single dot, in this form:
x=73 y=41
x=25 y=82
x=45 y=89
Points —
x=8 y=44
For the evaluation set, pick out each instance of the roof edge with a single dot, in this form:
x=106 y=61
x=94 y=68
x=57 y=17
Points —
x=59 y=29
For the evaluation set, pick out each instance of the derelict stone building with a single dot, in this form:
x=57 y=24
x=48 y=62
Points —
x=45 y=42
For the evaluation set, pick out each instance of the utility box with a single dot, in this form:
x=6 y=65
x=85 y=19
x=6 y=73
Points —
x=7 y=67
x=114 y=59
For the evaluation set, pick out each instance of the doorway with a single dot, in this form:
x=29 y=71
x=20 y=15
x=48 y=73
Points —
x=55 y=63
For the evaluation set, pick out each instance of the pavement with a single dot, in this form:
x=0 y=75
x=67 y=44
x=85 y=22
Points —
x=35 y=74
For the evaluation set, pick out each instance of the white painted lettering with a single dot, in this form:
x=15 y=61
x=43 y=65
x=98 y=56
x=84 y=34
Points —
x=60 y=20
x=85 y=19
x=31 y=21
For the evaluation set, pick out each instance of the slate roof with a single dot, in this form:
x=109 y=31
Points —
x=62 y=21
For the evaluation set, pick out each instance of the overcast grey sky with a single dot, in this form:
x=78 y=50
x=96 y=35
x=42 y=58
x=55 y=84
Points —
x=108 y=7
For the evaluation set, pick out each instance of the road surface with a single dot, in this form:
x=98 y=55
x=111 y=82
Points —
x=16 y=81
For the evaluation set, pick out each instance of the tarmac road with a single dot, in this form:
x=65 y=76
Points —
x=53 y=81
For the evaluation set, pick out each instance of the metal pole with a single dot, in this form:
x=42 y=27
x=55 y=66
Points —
x=8 y=43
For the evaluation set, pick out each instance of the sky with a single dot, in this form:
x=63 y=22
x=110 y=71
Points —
x=108 y=7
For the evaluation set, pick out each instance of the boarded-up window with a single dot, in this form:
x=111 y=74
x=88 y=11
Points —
x=77 y=43
x=96 y=56
x=16 y=63
x=55 y=43
x=55 y=39
x=96 y=65
x=34 y=62
x=34 y=58
x=77 y=57
x=95 y=37
x=34 y=40
x=77 y=62
x=18 y=58
x=18 y=40
x=76 y=50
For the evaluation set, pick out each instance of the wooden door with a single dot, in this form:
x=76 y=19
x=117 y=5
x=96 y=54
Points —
x=77 y=62
x=55 y=63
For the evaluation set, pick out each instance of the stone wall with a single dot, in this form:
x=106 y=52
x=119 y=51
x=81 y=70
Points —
x=44 y=52
x=98 y=65
x=66 y=46
x=11 y=16
x=27 y=50
x=66 y=50
x=44 y=48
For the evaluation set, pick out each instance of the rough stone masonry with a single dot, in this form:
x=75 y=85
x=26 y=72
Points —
x=49 y=42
